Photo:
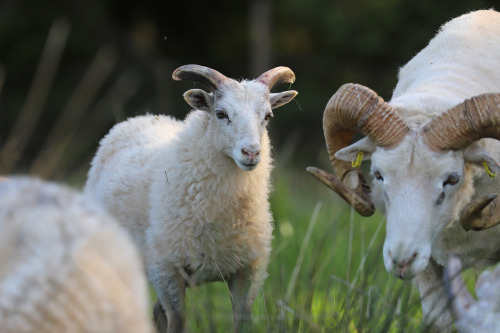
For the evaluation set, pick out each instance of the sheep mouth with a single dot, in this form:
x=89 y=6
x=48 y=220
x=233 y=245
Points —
x=247 y=166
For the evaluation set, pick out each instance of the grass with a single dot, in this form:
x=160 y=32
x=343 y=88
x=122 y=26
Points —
x=326 y=272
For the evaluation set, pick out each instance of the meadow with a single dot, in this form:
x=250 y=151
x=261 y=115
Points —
x=326 y=272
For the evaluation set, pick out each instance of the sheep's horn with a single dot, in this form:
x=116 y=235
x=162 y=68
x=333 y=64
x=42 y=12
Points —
x=277 y=75
x=361 y=204
x=200 y=74
x=465 y=123
x=355 y=108
x=457 y=292
x=482 y=213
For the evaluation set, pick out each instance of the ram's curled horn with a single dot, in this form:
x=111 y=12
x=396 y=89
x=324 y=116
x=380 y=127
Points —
x=200 y=74
x=465 y=123
x=482 y=213
x=355 y=108
x=277 y=75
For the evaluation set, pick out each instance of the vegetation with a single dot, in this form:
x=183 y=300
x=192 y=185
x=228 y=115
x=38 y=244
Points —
x=326 y=271
x=69 y=70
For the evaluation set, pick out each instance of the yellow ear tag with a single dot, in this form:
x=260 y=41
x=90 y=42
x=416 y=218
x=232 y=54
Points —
x=359 y=159
x=488 y=171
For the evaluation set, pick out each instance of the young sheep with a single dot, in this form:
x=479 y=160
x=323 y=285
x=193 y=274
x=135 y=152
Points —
x=471 y=316
x=194 y=194
x=66 y=266
x=427 y=151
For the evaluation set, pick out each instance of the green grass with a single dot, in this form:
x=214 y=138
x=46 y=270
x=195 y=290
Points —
x=326 y=272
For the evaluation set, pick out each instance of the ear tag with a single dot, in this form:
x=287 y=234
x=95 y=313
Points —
x=359 y=159
x=488 y=171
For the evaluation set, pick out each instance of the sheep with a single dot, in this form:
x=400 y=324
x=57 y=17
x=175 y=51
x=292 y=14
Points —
x=194 y=193
x=481 y=316
x=427 y=147
x=65 y=265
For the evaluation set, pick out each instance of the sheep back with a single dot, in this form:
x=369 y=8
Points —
x=65 y=266
x=461 y=61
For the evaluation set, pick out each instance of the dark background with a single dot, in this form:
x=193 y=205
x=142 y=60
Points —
x=71 y=69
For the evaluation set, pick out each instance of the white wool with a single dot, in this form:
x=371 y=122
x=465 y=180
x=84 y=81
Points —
x=411 y=186
x=194 y=193
x=65 y=266
x=196 y=208
x=460 y=62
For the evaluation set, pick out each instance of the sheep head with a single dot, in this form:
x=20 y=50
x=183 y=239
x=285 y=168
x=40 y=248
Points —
x=239 y=110
x=418 y=170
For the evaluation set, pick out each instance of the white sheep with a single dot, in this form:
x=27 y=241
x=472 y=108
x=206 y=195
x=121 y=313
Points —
x=427 y=149
x=473 y=316
x=194 y=194
x=65 y=265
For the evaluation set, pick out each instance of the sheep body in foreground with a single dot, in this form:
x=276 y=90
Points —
x=194 y=193
x=473 y=316
x=65 y=265
x=426 y=148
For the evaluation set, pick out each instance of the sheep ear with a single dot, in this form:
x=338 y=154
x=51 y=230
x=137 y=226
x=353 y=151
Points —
x=279 y=99
x=199 y=99
x=350 y=153
x=476 y=154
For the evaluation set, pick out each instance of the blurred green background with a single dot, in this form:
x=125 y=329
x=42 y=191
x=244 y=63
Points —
x=69 y=70
x=76 y=67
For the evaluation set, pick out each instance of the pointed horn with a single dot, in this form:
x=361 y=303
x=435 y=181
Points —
x=457 y=292
x=465 y=123
x=276 y=75
x=482 y=213
x=200 y=74
x=355 y=108
x=360 y=203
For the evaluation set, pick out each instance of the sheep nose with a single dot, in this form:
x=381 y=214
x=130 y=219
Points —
x=250 y=153
x=403 y=265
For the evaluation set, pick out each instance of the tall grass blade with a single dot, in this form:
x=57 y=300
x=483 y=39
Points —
x=78 y=104
x=37 y=96
x=300 y=258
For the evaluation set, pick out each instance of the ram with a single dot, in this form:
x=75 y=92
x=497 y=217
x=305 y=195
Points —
x=66 y=265
x=194 y=194
x=427 y=148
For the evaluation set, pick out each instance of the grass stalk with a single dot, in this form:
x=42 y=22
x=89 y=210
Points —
x=300 y=258
x=32 y=109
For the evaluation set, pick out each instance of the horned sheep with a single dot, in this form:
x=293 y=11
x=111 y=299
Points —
x=66 y=265
x=427 y=146
x=194 y=194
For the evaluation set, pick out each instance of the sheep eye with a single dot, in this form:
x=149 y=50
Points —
x=440 y=199
x=220 y=114
x=268 y=116
x=452 y=179
x=378 y=176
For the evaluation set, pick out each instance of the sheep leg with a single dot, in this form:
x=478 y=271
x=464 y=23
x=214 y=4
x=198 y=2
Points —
x=159 y=317
x=243 y=289
x=433 y=297
x=169 y=311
